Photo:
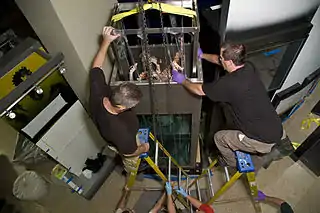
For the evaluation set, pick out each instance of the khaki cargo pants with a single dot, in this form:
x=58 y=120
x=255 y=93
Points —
x=129 y=163
x=229 y=141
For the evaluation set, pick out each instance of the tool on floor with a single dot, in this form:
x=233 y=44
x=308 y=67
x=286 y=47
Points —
x=244 y=165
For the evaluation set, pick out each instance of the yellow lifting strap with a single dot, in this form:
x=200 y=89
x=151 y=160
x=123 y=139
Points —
x=167 y=8
x=306 y=123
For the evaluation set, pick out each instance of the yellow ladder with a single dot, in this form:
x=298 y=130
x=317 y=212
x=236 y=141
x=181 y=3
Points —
x=155 y=167
x=205 y=173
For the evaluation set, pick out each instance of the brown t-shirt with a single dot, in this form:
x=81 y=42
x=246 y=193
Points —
x=118 y=130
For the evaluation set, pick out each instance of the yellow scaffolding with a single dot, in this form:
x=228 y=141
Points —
x=205 y=173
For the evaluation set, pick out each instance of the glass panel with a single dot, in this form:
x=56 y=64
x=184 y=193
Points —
x=174 y=132
x=267 y=63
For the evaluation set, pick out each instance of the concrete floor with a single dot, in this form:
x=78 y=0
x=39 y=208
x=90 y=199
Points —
x=285 y=179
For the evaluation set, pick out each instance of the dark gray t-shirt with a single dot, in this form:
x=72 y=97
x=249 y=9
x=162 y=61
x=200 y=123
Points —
x=118 y=130
x=248 y=104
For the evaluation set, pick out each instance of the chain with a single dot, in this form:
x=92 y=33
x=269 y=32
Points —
x=147 y=66
x=183 y=59
x=165 y=43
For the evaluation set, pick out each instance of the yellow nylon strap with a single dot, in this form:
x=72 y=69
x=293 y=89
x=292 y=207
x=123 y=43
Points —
x=295 y=145
x=167 y=8
x=306 y=123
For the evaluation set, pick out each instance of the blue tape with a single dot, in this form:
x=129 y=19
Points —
x=272 y=52
x=69 y=180
x=143 y=155
x=79 y=188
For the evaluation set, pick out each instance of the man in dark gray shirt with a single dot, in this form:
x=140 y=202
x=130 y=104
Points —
x=256 y=127
x=111 y=110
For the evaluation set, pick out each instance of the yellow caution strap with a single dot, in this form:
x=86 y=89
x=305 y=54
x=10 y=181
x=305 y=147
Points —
x=306 y=123
x=167 y=8
x=295 y=145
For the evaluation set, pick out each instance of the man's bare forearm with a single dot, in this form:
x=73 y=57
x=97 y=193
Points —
x=213 y=58
x=195 y=88
x=140 y=150
x=100 y=57
x=196 y=203
x=170 y=205
x=274 y=200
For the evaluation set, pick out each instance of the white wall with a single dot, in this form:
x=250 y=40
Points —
x=246 y=14
x=309 y=58
x=307 y=62
x=83 y=21
x=72 y=27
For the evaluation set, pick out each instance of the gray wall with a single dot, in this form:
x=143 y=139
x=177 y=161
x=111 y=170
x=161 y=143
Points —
x=247 y=14
x=307 y=62
x=72 y=27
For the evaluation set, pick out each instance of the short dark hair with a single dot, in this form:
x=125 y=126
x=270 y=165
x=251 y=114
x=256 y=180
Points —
x=126 y=94
x=234 y=52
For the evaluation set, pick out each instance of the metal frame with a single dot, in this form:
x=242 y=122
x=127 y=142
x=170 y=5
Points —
x=193 y=31
x=131 y=5
x=171 y=98
x=171 y=30
x=223 y=19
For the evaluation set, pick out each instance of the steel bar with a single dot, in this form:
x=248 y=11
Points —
x=146 y=188
x=171 y=30
x=156 y=154
x=196 y=44
x=198 y=190
x=188 y=191
x=210 y=183
x=226 y=171
x=143 y=83
x=169 y=169
x=179 y=177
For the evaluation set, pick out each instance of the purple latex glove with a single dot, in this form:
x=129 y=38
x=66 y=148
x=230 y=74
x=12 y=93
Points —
x=261 y=196
x=200 y=53
x=178 y=77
